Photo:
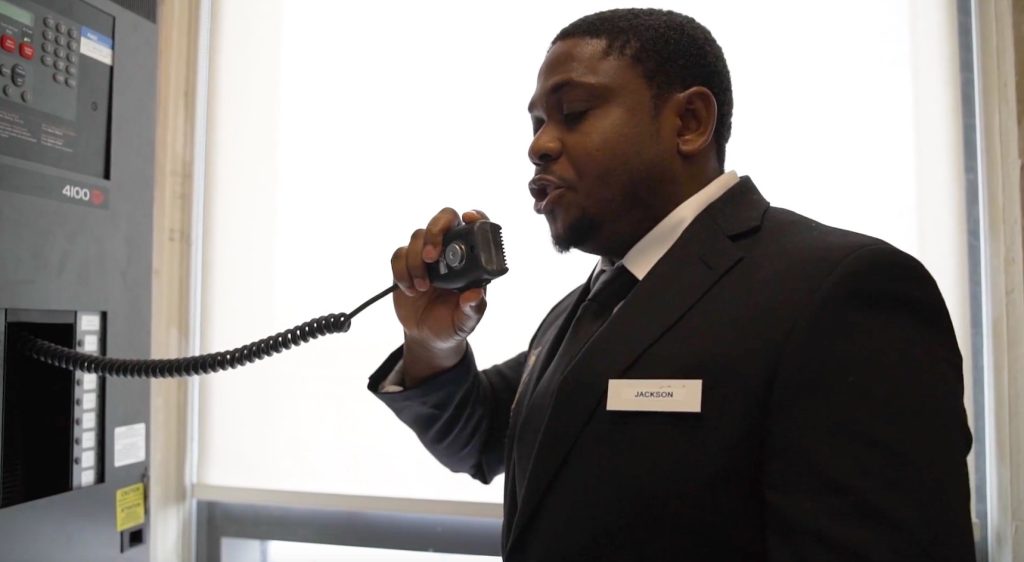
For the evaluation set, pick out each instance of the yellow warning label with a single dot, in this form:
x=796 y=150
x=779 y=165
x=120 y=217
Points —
x=131 y=507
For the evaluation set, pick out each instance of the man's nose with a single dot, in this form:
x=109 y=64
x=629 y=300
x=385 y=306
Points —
x=545 y=148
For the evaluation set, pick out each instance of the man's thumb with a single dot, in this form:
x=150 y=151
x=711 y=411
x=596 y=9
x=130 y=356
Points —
x=473 y=303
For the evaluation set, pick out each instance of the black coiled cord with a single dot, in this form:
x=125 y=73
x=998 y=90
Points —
x=200 y=364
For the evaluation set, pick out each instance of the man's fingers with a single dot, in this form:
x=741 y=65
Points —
x=474 y=215
x=414 y=261
x=445 y=220
x=473 y=304
x=401 y=272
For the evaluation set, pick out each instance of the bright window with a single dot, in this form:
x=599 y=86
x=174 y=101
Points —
x=337 y=128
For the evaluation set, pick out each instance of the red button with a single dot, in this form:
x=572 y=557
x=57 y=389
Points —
x=27 y=51
x=8 y=43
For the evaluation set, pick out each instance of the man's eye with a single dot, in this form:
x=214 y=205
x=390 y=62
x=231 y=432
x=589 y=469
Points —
x=574 y=117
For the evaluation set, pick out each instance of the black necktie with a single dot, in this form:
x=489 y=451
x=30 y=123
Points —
x=610 y=287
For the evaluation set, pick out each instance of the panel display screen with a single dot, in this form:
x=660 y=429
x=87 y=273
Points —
x=14 y=12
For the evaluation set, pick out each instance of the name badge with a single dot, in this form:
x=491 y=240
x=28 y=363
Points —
x=654 y=395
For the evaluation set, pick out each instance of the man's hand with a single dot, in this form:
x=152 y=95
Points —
x=436 y=321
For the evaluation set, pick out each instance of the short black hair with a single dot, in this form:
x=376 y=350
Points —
x=674 y=53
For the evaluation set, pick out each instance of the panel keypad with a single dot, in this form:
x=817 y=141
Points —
x=57 y=43
x=61 y=40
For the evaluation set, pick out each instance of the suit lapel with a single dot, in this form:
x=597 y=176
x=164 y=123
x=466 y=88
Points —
x=702 y=255
x=543 y=350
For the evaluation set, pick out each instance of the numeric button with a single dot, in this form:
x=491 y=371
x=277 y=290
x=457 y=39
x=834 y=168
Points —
x=58 y=78
x=48 y=22
x=18 y=75
x=71 y=82
x=26 y=96
x=72 y=70
x=5 y=70
x=60 y=52
x=8 y=90
x=61 y=28
x=60 y=65
x=72 y=58
x=47 y=35
x=47 y=60
x=47 y=47
x=72 y=33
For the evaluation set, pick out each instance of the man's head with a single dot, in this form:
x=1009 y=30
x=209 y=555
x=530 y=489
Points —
x=631 y=116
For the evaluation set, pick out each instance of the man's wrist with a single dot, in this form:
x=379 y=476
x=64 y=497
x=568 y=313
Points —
x=422 y=361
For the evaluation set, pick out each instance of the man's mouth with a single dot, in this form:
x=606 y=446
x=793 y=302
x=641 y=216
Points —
x=545 y=190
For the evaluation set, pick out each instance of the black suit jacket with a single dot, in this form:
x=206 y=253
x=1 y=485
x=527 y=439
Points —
x=832 y=424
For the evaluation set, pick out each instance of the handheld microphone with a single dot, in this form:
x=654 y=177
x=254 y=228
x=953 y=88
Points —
x=472 y=255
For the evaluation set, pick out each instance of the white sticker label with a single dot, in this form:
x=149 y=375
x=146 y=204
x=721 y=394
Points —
x=88 y=459
x=88 y=477
x=89 y=401
x=654 y=395
x=97 y=46
x=88 y=439
x=129 y=444
x=89 y=381
x=91 y=343
x=88 y=420
x=89 y=322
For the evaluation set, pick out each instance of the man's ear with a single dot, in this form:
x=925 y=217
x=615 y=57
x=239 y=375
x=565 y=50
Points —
x=696 y=112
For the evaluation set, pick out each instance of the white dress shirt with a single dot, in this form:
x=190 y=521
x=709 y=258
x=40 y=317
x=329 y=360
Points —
x=640 y=259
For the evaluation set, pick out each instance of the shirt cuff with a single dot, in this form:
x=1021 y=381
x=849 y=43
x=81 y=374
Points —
x=395 y=381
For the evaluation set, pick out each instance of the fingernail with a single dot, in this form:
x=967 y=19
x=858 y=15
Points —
x=422 y=284
x=429 y=252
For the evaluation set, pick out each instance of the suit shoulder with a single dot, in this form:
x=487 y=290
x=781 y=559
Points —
x=795 y=237
x=808 y=252
x=797 y=231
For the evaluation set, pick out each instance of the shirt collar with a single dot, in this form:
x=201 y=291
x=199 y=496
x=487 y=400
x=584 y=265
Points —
x=644 y=254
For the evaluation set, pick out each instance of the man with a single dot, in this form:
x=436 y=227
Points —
x=753 y=386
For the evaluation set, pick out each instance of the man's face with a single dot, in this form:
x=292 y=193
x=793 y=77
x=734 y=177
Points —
x=600 y=151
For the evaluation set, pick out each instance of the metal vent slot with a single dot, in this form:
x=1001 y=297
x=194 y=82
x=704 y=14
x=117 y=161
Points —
x=145 y=8
x=37 y=421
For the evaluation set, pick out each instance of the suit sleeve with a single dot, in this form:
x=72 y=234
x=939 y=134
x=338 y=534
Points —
x=866 y=445
x=461 y=415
